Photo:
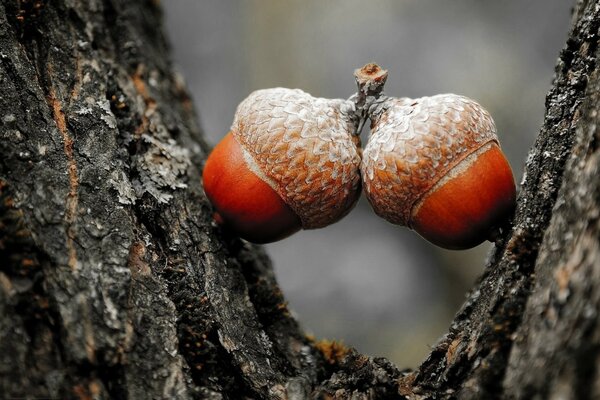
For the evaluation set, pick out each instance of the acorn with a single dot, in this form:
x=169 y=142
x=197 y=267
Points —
x=291 y=161
x=434 y=164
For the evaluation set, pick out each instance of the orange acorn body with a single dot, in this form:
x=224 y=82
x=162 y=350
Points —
x=434 y=165
x=289 y=162
x=261 y=217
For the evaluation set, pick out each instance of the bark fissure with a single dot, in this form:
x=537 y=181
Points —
x=72 y=196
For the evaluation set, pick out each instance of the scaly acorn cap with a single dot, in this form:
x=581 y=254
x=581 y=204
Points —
x=304 y=149
x=414 y=143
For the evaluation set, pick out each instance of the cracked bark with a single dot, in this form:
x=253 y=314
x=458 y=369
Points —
x=114 y=283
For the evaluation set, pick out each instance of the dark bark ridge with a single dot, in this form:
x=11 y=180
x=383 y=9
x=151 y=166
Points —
x=115 y=283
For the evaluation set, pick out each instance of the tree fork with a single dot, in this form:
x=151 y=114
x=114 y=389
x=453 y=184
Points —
x=115 y=283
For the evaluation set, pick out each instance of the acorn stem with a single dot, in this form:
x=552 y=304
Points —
x=370 y=80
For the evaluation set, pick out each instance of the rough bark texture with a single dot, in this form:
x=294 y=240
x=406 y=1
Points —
x=114 y=283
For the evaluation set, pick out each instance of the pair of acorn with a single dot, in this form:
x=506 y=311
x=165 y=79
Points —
x=292 y=161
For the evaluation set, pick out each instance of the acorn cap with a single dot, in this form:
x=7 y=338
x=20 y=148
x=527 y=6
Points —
x=303 y=148
x=414 y=143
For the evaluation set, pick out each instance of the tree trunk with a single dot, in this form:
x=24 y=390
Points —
x=114 y=282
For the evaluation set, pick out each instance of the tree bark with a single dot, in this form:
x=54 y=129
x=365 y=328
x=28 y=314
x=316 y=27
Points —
x=115 y=283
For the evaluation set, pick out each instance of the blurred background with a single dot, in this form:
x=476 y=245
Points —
x=375 y=286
